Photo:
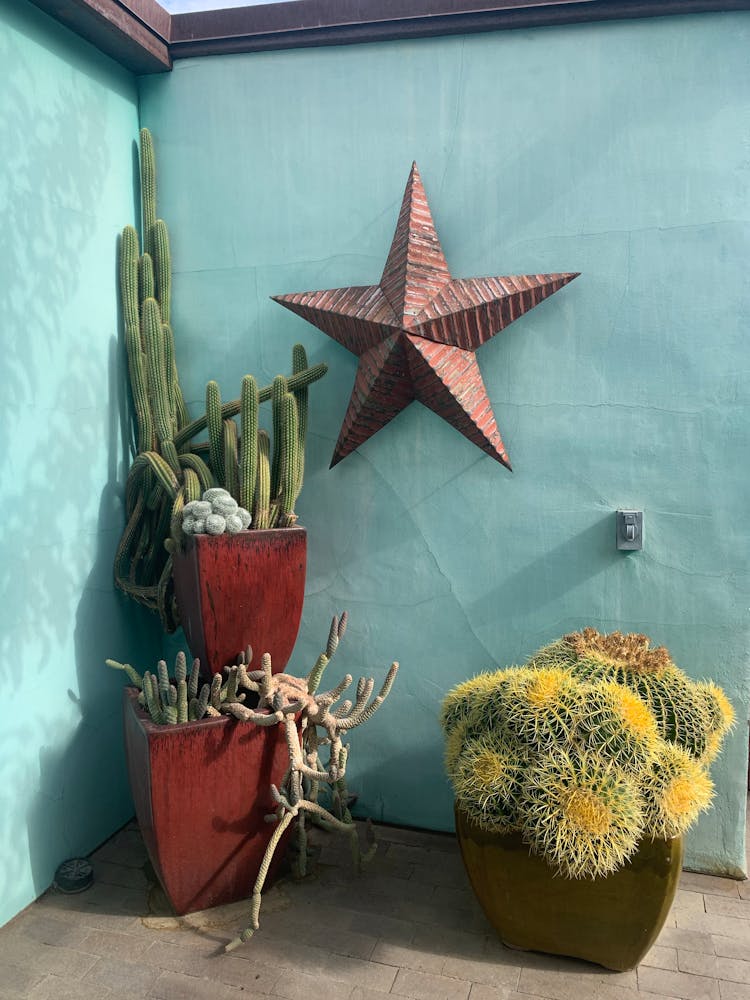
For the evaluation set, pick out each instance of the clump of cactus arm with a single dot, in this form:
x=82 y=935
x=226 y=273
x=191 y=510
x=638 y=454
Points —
x=170 y=469
x=314 y=730
x=597 y=742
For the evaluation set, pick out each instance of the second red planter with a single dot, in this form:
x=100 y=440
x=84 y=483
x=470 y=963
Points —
x=240 y=590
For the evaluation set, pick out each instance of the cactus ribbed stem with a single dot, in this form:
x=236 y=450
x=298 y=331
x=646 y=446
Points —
x=157 y=376
x=148 y=188
x=163 y=267
x=215 y=430
x=248 y=470
x=230 y=458
x=299 y=364
x=289 y=461
x=146 y=283
x=279 y=389
x=262 y=505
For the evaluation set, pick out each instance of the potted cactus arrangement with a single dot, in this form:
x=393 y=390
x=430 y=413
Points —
x=222 y=772
x=575 y=777
x=228 y=576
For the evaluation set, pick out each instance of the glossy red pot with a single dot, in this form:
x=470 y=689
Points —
x=238 y=590
x=201 y=792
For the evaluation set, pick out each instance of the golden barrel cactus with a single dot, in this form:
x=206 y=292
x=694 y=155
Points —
x=597 y=742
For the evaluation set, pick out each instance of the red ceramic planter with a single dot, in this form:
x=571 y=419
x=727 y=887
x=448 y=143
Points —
x=201 y=791
x=240 y=590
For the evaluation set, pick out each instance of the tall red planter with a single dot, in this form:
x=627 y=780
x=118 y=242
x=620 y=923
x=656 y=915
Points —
x=201 y=792
x=240 y=590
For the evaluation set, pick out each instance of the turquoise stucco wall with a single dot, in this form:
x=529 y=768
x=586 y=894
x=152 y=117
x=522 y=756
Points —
x=68 y=122
x=618 y=150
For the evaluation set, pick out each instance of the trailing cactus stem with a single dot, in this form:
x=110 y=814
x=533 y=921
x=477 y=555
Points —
x=132 y=673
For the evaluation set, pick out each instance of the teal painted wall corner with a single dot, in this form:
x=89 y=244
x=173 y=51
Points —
x=612 y=149
x=68 y=123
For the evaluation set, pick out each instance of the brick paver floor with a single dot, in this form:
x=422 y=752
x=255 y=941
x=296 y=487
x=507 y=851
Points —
x=408 y=928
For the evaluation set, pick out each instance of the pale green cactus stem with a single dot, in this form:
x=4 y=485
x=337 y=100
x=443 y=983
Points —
x=133 y=675
x=248 y=470
x=201 y=470
x=148 y=188
x=194 y=679
x=215 y=430
x=167 y=339
x=180 y=667
x=163 y=267
x=146 y=282
x=288 y=491
x=231 y=476
x=278 y=389
x=163 y=675
x=262 y=506
x=299 y=364
x=182 y=701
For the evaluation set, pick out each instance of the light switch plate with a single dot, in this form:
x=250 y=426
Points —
x=629 y=530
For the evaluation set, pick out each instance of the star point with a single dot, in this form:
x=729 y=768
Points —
x=416 y=332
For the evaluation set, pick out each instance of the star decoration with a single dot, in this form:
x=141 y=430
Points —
x=416 y=332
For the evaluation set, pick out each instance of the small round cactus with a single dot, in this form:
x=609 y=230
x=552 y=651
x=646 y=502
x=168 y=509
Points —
x=216 y=513
x=597 y=742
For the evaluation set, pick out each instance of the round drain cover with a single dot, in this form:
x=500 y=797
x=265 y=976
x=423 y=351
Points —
x=74 y=875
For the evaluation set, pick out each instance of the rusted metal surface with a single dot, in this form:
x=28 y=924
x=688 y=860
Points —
x=416 y=332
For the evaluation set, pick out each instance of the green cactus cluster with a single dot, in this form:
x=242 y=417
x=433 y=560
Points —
x=170 y=469
x=597 y=742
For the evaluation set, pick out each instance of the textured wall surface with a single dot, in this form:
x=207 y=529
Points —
x=68 y=120
x=618 y=150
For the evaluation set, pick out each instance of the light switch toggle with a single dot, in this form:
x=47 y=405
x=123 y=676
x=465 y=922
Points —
x=629 y=530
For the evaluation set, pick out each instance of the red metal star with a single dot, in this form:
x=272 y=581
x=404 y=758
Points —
x=416 y=332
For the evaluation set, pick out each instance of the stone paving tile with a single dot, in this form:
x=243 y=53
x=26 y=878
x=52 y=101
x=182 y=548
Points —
x=729 y=907
x=17 y=980
x=714 y=885
x=686 y=899
x=108 y=873
x=426 y=986
x=678 y=984
x=690 y=940
x=562 y=983
x=408 y=956
x=744 y=888
x=734 y=970
x=176 y=986
x=714 y=923
x=734 y=991
x=23 y=953
x=730 y=947
x=121 y=977
x=128 y=947
x=301 y=986
x=46 y=928
x=58 y=988
x=663 y=958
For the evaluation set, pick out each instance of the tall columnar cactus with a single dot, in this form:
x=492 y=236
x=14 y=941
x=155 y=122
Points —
x=597 y=742
x=169 y=470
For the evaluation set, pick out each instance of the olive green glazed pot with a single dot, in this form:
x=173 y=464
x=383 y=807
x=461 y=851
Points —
x=612 y=921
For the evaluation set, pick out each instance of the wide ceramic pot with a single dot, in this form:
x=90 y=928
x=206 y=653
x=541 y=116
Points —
x=201 y=792
x=611 y=921
x=238 y=590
